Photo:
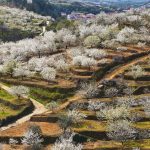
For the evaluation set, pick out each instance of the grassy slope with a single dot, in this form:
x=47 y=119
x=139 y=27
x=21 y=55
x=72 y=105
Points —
x=5 y=110
x=13 y=28
x=45 y=96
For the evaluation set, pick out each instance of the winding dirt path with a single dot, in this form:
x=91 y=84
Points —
x=123 y=67
x=65 y=104
x=39 y=109
x=108 y=76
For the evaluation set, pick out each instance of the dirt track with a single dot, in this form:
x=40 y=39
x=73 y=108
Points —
x=39 y=109
x=123 y=67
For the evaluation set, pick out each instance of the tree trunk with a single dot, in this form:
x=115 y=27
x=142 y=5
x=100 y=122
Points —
x=39 y=54
x=19 y=97
x=22 y=78
x=11 y=75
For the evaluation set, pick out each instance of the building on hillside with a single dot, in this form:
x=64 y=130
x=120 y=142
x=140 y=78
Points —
x=63 y=14
x=29 y=1
x=80 y=16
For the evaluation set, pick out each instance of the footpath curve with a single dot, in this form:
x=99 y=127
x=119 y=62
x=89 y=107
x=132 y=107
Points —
x=123 y=67
x=39 y=109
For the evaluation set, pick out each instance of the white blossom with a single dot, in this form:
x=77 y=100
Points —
x=136 y=71
x=125 y=35
x=96 y=53
x=92 y=41
x=19 y=91
x=32 y=139
x=66 y=143
x=49 y=73
x=88 y=62
x=120 y=130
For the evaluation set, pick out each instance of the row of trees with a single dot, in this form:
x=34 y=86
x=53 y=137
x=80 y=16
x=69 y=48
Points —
x=118 y=114
x=17 y=24
x=26 y=57
x=33 y=140
x=95 y=34
x=47 y=67
x=119 y=123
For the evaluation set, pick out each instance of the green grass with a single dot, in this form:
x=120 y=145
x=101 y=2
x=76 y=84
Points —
x=90 y=125
x=142 y=125
x=6 y=84
x=45 y=96
x=7 y=111
x=4 y=95
x=139 y=143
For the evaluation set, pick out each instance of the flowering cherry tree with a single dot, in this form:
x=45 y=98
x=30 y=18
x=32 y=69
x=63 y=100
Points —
x=61 y=34
x=65 y=142
x=19 y=91
x=72 y=117
x=69 y=40
x=126 y=35
x=33 y=139
x=120 y=130
x=13 y=142
x=92 y=41
x=136 y=71
x=88 y=62
x=89 y=90
x=48 y=74
x=95 y=53
x=112 y=113
x=62 y=66
x=77 y=60
x=22 y=71
x=8 y=67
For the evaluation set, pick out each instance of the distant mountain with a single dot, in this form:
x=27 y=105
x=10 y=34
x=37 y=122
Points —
x=113 y=2
x=110 y=1
x=116 y=4
x=54 y=8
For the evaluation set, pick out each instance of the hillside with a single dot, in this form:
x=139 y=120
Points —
x=16 y=24
x=54 y=8
x=85 y=86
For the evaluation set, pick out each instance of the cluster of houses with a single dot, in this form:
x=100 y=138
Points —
x=79 y=16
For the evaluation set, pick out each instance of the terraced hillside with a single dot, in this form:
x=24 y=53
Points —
x=13 y=108
x=91 y=131
x=89 y=86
